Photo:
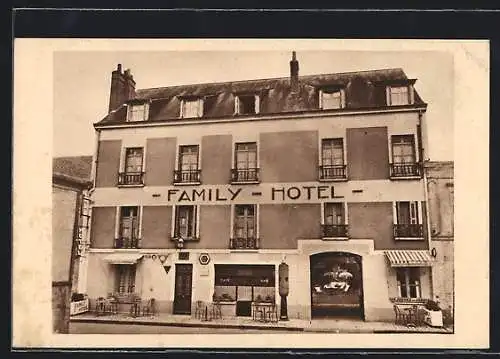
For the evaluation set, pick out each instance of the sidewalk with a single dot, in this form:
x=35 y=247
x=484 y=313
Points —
x=293 y=325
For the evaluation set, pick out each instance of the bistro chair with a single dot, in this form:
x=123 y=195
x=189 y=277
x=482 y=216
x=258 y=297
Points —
x=100 y=306
x=135 y=306
x=111 y=304
x=149 y=308
x=402 y=316
x=258 y=312
x=199 y=310
x=216 y=310
x=272 y=313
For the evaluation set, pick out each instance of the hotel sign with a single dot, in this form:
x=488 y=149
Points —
x=274 y=193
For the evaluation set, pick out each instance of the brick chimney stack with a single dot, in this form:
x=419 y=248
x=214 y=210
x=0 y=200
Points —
x=294 y=73
x=122 y=88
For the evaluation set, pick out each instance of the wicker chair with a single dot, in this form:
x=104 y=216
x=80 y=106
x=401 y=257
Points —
x=402 y=317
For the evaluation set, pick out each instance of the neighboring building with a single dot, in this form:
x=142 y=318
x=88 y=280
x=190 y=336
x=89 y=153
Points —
x=440 y=186
x=202 y=190
x=70 y=182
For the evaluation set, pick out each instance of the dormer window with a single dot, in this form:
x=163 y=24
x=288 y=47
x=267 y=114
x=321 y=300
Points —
x=191 y=107
x=399 y=95
x=137 y=112
x=247 y=104
x=331 y=99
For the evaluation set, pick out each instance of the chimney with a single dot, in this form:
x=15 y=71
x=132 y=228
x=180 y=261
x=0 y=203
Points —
x=294 y=73
x=122 y=88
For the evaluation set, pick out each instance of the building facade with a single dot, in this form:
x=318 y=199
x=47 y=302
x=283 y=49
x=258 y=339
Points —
x=440 y=186
x=70 y=204
x=201 y=192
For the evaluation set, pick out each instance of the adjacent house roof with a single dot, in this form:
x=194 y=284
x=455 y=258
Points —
x=74 y=170
x=364 y=89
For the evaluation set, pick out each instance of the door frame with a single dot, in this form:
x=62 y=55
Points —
x=175 y=302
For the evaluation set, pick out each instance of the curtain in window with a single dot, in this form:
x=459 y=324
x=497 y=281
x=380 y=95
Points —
x=133 y=160
x=246 y=155
x=403 y=149
x=331 y=100
x=185 y=221
x=244 y=221
x=407 y=212
x=332 y=152
x=125 y=281
x=399 y=95
x=137 y=113
x=408 y=280
x=129 y=223
x=188 y=158
x=334 y=213
x=190 y=108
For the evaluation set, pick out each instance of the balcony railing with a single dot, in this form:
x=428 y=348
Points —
x=334 y=230
x=130 y=178
x=408 y=230
x=332 y=172
x=245 y=175
x=187 y=176
x=121 y=243
x=405 y=170
x=244 y=243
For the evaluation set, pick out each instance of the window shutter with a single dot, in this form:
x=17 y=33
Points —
x=388 y=95
x=413 y=212
x=257 y=104
x=320 y=99
x=181 y=109
x=342 y=98
x=236 y=105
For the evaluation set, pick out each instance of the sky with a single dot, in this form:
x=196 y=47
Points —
x=82 y=83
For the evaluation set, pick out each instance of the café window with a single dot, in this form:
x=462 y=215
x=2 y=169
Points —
x=125 y=279
x=408 y=280
x=186 y=218
x=244 y=283
x=191 y=107
x=138 y=112
x=331 y=99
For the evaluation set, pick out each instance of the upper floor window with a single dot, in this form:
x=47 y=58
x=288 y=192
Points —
x=191 y=107
x=404 y=163
x=398 y=95
x=137 y=112
x=247 y=104
x=331 y=99
x=246 y=168
x=128 y=232
x=185 y=222
x=188 y=170
x=334 y=223
x=133 y=167
x=245 y=227
x=408 y=280
x=332 y=159
x=407 y=222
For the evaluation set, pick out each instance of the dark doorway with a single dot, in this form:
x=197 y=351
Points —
x=336 y=285
x=183 y=287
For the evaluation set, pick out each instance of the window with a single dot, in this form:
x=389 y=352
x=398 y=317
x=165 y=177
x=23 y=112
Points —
x=332 y=159
x=246 y=169
x=191 y=108
x=125 y=279
x=407 y=220
x=245 y=227
x=403 y=149
x=408 y=280
x=247 y=104
x=185 y=222
x=334 y=224
x=398 y=95
x=331 y=99
x=133 y=160
x=137 y=113
x=128 y=236
x=188 y=171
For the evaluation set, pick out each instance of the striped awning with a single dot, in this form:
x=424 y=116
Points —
x=123 y=258
x=409 y=258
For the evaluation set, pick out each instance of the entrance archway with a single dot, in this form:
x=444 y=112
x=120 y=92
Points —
x=336 y=285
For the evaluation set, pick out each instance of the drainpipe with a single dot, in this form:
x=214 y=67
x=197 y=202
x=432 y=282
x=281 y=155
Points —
x=95 y=161
x=427 y=206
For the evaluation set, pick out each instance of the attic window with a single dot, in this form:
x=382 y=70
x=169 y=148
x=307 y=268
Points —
x=399 y=95
x=137 y=112
x=331 y=99
x=246 y=104
x=191 y=107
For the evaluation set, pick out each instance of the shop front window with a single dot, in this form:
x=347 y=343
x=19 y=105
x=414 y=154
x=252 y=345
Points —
x=408 y=282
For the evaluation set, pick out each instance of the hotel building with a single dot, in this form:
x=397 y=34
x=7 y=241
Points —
x=201 y=191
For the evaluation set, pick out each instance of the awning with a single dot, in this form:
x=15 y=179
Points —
x=409 y=258
x=123 y=258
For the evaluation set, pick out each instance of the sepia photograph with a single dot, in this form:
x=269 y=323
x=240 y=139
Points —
x=295 y=190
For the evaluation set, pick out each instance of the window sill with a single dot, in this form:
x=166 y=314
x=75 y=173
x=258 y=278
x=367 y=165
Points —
x=409 y=238
x=130 y=185
x=335 y=238
x=340 y=179
x=244 y=182
x=242 y=250
x=396 y=178
x=187 y=183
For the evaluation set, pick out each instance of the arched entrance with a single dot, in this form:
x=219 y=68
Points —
x=336 y=285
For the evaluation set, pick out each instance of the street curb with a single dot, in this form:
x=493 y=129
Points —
x=188 y=325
